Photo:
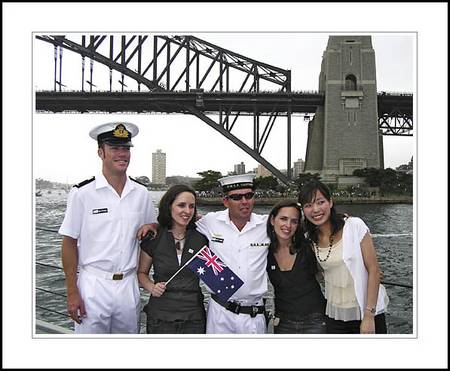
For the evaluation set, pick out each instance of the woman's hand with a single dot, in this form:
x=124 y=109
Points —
x=158 y=289
x=367 y=324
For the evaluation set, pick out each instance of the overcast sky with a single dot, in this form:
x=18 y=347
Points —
x=189 y=143
x=21 y=150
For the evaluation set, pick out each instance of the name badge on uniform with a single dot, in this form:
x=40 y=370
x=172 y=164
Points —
x=257 y=244
x=100 y=211
x=217 y=238
x=190 y=251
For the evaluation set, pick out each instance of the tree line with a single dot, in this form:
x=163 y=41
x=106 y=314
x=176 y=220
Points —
x=384 y=181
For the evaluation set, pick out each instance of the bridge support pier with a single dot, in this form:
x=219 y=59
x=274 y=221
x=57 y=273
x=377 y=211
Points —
x=344 y=135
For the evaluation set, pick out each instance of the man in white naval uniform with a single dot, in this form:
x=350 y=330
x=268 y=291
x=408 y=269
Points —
x=239 y=237
x=99 y=228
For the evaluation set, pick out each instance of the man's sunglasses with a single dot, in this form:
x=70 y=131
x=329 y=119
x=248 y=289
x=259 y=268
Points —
x=238 y=196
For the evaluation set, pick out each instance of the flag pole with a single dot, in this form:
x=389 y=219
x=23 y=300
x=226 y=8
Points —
x=184 y=265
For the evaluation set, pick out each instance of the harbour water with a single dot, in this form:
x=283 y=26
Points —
x=391 y=226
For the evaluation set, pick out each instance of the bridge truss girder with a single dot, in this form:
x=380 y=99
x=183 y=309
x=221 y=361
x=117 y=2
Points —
x=395 y=114
x=162 y=77
x=396 y=123
x=132 y=48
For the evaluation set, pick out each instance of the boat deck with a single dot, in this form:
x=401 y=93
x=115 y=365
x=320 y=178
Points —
x=43 y=327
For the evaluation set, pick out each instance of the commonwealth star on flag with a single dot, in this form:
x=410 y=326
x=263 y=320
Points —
x=215 y=273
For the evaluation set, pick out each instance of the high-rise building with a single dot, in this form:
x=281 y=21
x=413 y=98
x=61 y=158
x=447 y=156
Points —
x=261 y=171
x=239 y=168
x=158 y=167
x=299 y=165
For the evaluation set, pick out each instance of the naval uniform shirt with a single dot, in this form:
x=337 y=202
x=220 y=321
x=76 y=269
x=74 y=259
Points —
x=245 y=252
x=105 y=224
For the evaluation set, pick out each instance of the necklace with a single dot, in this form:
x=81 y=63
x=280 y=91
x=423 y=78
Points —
x=178 y=241
x=330 y=245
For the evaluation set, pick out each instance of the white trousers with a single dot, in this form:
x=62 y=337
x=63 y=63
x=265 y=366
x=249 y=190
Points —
x=222 y=321
x=112 y=307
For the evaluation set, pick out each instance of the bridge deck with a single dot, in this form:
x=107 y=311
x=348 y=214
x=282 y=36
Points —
x=174 y=102
x=208 y=102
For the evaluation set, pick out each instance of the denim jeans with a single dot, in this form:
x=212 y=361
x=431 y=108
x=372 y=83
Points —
x=312 y=323
x=157 y=326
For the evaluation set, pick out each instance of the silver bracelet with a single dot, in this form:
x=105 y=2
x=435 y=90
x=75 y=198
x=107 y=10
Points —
x=371 y=310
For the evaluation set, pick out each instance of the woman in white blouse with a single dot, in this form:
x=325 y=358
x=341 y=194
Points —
x=356 y=301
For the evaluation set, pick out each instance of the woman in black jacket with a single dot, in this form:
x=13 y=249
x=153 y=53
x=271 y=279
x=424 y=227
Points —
x=175 y=308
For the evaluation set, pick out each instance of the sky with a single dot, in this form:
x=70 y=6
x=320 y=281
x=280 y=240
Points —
x=23 y=149
x=190 y=144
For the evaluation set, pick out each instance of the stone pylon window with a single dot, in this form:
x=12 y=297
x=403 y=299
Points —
x=350 y=82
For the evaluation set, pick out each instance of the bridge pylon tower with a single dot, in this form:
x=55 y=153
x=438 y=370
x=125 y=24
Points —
x=344 y=134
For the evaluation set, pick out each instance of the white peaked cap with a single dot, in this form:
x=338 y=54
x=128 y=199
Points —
x=115 y=133
x=231 y=182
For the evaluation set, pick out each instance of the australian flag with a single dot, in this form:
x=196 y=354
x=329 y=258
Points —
x=215 y=274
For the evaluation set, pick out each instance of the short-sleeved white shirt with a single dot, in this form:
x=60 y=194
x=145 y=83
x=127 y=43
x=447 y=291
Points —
x=105 y=224
x=245 y=252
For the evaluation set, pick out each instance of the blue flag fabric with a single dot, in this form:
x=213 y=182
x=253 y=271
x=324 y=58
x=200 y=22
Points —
x=215 y=274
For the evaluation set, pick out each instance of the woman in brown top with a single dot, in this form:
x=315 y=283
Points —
x=175 y=308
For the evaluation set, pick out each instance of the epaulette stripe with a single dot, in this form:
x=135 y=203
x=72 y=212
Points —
x=84 y=182
x=138 y=182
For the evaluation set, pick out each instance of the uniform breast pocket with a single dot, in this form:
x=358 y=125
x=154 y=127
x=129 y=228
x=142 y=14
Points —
x=216 y=246
x=134 y=219
x=101 y=227
x=257 y=258
x=222 y=252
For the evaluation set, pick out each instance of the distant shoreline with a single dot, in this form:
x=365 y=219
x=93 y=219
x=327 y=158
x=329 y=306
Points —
x=217 y=201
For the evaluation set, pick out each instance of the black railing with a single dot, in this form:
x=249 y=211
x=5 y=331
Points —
x=65 y=321
x=57 y=267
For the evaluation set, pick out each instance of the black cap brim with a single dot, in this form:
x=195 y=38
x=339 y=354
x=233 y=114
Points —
x=118 y=144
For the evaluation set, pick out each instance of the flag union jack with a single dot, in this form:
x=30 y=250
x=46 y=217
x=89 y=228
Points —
x=211 y=260
x=219 y=278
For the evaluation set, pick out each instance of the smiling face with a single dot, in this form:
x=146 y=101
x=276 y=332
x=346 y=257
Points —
x=318 y=210
x=240 y=210
x=115 y=159
x=182 y=209
x=285 y=223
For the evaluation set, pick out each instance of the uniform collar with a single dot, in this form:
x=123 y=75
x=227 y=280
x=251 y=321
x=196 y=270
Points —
x=224 y=216
x=101 y=182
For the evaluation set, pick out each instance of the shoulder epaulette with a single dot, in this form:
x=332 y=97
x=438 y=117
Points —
x=84 y=182
x=138 y=182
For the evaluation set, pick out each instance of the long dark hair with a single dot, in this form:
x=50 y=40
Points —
x=300 y=244
x=306 y=195
x=165 y=205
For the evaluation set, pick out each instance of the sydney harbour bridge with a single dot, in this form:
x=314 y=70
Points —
x=347 y=117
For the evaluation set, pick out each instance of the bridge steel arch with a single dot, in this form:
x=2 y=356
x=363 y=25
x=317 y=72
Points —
x=171 y=76
x=161 y=75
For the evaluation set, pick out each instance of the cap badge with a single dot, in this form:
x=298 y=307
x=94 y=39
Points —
x=121 y=132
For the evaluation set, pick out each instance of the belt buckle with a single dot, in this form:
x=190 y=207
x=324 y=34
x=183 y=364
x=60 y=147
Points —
x=234 y=307
x=254 y=311
x=117 y=276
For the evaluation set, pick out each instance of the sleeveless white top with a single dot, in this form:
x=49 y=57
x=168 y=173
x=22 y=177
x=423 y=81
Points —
x=339 y=287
